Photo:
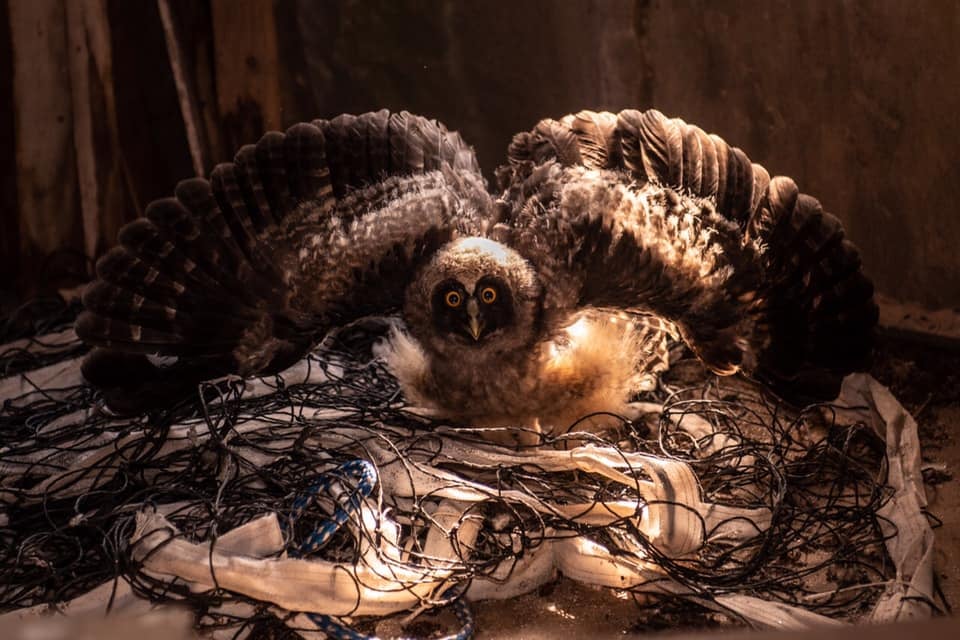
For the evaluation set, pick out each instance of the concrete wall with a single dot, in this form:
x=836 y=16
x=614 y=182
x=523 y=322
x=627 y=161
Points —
x=858 y=101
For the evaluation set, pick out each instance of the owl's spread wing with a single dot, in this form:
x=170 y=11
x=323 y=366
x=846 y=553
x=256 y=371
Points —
x=637 y=211
x=306 y=230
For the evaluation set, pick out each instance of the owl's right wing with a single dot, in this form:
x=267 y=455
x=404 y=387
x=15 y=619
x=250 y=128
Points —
x=640 y=212
x=304 y=231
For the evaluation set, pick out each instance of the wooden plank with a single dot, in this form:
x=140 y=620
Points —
x=99 y=166
x=188 y=29
x=151 y=134
x=9 y=233
x=83 y=124
x=113 y=173
x=194 y=26
x=247 y=69
x=296 y=89
x=46 y=171
x=182 y=77
x=107 y=190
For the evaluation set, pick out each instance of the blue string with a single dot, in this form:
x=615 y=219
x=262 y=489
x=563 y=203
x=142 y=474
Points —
x=366 y=479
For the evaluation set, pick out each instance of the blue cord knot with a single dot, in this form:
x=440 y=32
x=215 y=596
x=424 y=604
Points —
x=347 y=501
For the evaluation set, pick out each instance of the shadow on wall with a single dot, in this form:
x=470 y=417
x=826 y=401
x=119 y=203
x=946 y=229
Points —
x=854 y=101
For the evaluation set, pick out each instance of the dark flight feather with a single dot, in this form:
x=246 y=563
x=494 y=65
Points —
x=596 y=138
x=795 y=308
x=220 y=275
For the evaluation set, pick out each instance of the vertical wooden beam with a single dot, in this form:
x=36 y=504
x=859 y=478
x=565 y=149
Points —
x=196 y=27
x=99 y=164
x=188 y=29
x=296 y=88
x=182 y=78
x=114 y=175
x=150 y=129
x=79 y=59
x=247 y=69
x=46 y=170
x=9 y=226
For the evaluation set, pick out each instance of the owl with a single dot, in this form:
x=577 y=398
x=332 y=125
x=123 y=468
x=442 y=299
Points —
x=533 y=304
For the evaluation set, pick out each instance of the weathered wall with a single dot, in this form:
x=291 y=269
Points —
x=858 y=101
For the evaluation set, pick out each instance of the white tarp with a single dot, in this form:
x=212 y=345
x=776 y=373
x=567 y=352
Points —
x=384 y=580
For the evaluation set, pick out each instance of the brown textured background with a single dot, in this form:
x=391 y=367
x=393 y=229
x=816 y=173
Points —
x=858 y=101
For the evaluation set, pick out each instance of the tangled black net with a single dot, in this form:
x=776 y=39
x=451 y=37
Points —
x=73 y=477
x=38 y=333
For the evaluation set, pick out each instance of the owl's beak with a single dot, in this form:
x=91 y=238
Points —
x=474 y=324
x=475 y=327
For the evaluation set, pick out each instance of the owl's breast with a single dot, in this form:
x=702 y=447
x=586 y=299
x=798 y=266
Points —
x=594 y=364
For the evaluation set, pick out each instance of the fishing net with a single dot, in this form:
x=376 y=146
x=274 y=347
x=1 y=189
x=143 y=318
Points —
x=318 y=502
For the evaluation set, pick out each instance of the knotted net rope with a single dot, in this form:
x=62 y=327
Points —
x=712 y=494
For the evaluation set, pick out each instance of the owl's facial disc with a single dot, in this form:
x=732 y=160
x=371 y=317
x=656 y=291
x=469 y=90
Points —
x=471 y=314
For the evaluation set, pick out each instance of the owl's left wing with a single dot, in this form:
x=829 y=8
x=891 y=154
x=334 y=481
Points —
x=302 y=232
x=637 y=211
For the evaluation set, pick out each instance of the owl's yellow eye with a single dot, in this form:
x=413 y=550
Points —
x=453 y=299
x=488 y=295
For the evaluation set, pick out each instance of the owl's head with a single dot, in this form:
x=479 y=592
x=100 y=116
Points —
x=475 y=294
